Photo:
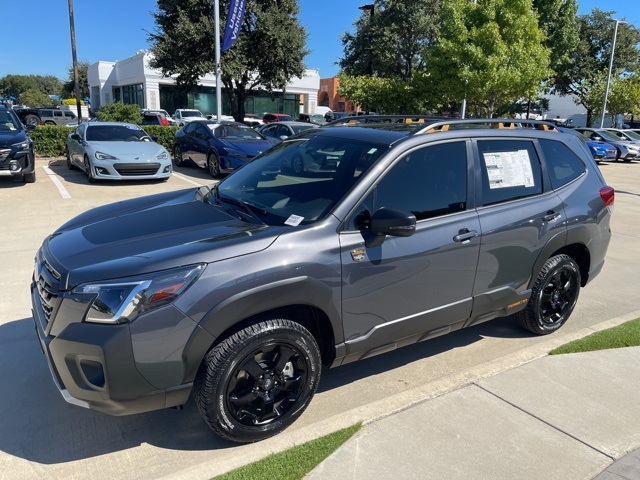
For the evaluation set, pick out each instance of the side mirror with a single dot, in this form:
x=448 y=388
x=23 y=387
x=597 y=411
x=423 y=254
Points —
x=75 y=136
x=389 y=221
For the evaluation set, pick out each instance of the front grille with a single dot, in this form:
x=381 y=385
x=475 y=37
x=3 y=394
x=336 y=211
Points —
x=47 y=281
x=132 y=169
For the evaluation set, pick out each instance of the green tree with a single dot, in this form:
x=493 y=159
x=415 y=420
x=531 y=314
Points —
x=49 y=84
x=269 y=51
x=119 y=112
x=592 y=55
x=69 y=87
x=557 y=20
x=624 y=96
x=14 y=85
x=389 y=39
x=35 y=98
x=491 y=52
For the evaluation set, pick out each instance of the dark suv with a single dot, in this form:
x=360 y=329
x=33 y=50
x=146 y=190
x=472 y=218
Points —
x=399 y=230
x=16 y=148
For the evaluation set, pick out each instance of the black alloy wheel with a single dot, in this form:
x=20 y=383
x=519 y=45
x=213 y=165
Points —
x=213 y=164
x=553 y=297
x=178 y=161
x=257 y=382
x=89 y=170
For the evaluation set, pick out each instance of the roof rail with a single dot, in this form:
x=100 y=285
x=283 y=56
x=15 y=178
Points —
x=498 y=123
x=402 y=119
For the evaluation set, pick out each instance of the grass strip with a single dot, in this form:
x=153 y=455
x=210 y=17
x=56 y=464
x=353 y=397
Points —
x=294 y=463
x=624 y=335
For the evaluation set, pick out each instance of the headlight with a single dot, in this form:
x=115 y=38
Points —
x=163 y=156
x=234 y=153
x=104 y=156
x=21 y=145
x=121 y=301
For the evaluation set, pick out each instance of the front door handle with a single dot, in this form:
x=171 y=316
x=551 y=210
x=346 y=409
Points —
x=551 y=216
x=465 y=235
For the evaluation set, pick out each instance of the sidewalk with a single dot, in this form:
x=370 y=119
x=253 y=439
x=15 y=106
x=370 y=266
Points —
x=559 y=417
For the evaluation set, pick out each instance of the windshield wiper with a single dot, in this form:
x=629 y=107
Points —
x=246 y=207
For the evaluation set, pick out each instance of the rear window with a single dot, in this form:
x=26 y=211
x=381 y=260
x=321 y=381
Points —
x=563 y=165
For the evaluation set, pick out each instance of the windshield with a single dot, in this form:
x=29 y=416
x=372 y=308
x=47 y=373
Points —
x=299 y=181
x=192 y=113
x=633 y=136
x=301 y=128
x=234 y=132
x=116 y=133
x=9 y=121
x=608 y=136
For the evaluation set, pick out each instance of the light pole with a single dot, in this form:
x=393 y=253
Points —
x=606 y=88
x=72 y=27
x=371 y=8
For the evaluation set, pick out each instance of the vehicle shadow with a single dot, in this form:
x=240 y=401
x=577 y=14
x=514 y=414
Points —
x=498 y=328
x=39 y=426
x=12 y=182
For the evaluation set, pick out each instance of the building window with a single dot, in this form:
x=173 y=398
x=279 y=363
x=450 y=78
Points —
x=324 y=99
x=133 y=94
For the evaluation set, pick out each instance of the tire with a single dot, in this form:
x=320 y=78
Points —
x=32 y=120
x=178 y=161
x=617 y=154
x=29 y=177
x=553 y=297
x=70 y=165
x=88 y=170
x=257 y=382
x=213 y=164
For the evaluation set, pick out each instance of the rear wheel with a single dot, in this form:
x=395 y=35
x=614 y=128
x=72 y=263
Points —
x=68 y=155
x=213 y=164
x=257 y=382
x=553 y=297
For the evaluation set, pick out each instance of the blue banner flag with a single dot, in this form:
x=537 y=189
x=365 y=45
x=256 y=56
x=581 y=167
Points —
x=234 y=22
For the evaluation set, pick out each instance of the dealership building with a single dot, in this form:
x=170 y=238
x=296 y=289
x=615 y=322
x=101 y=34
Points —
x=132 y=81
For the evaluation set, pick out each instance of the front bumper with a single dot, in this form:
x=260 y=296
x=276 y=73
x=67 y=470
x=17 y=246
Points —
x=16 y=162
x=94 y=365
x=124 y=170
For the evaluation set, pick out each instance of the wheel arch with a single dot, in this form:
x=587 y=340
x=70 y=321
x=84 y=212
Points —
x=303 y=300
x=572 y=243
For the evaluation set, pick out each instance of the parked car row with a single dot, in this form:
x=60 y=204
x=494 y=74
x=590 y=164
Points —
x=626 y=143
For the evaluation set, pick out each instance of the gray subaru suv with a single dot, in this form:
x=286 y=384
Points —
x=394 y=231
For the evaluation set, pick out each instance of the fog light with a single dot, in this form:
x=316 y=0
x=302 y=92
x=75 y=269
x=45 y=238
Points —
x=14 y=166
x=102 y=171
x=167 y=169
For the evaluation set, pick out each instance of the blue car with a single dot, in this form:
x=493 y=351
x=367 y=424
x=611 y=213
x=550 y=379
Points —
x=220 y=147
x=599 y=150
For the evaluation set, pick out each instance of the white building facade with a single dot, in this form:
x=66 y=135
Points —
x=132 y=81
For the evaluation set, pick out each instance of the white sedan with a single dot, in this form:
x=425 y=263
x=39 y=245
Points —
x=116 y=151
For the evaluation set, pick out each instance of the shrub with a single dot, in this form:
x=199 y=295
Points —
x=119 y=112
x=165 y=135
x=71 y=101
x=49 y=140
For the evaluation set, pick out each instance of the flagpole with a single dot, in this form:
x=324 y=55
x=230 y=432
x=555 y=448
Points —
x=218 y=80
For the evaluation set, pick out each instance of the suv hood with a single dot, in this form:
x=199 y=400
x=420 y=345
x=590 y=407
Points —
x=150 y=234
x=9 y=137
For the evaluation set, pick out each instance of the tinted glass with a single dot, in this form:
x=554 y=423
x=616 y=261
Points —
x=510 y=170
x=234 y=132
x=9 y=121
x=428 y=182
x=562 y=163
x=115 y=133
x=300 y=181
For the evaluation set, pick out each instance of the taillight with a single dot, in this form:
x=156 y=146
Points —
x=608 y=195
x=164 y=122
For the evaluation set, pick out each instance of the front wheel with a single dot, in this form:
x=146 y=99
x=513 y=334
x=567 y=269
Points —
x=213 y=164
x=553 y=297
x=89 y=170
x=257 y=382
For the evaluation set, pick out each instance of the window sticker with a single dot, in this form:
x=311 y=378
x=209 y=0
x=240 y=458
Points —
x=509 y=169
x=294 y=220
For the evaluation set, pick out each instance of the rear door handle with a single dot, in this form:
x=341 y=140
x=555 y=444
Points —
x=465 y=235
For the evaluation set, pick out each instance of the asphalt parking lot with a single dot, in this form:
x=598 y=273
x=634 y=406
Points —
x=41 y=436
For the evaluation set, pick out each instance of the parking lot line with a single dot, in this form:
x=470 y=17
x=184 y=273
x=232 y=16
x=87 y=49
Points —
x=54 y=178
x=186 y=179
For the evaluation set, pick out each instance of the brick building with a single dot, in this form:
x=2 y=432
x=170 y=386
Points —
x=328 y=96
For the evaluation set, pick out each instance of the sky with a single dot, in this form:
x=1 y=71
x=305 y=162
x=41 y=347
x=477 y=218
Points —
x=37 y=39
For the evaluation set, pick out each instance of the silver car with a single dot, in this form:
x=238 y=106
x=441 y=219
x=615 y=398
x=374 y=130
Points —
x=116 y=151
x=627 y=150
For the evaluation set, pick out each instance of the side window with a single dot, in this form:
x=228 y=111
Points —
x=510 y=170
x=189 y=128
x=57 y=113
x=562 y=163
x=201 y=132
x=428 y=182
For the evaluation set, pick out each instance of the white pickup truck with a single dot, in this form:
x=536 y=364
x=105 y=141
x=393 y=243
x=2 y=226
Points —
x=182 y=116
